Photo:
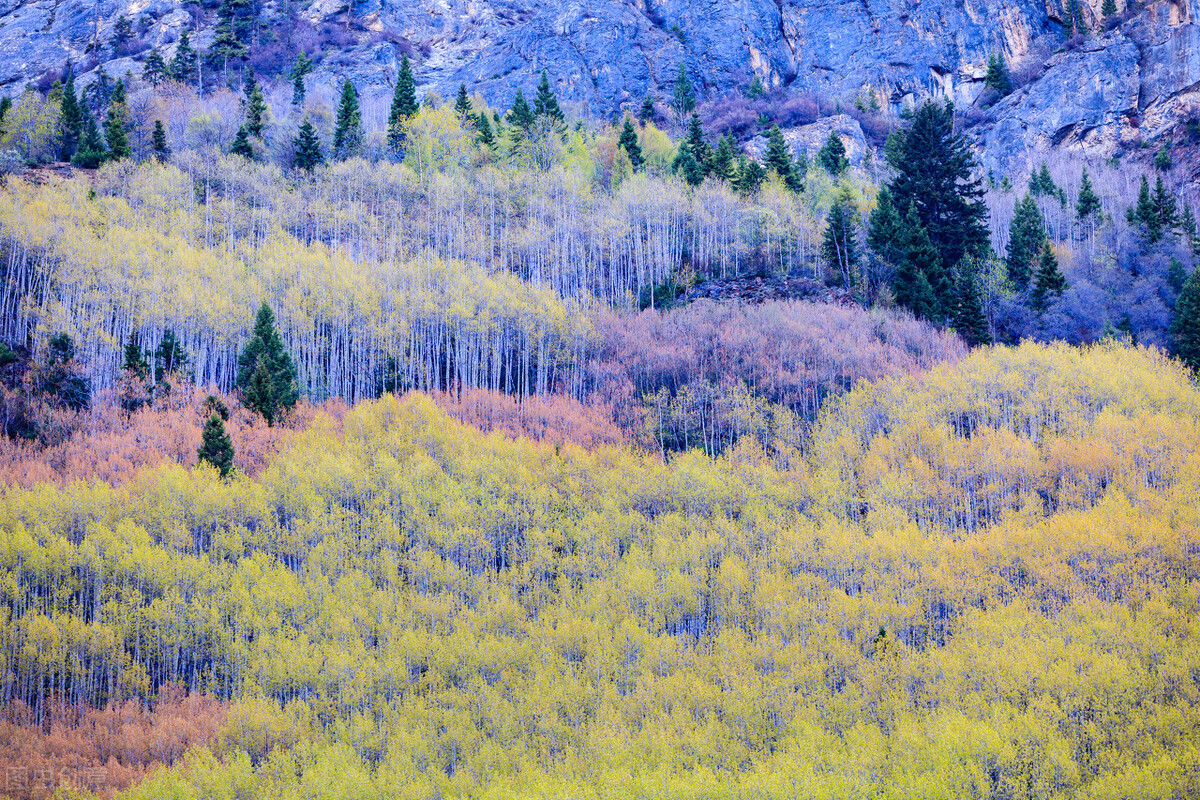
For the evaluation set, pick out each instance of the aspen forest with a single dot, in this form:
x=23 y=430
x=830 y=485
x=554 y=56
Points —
x=372 y=444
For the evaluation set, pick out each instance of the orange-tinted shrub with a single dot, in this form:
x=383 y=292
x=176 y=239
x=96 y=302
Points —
x=556 y=417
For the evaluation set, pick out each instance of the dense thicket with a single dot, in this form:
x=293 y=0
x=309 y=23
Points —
x=979 y=583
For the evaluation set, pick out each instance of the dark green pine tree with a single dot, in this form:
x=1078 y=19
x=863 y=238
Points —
x=778 y=156
x=1088 y=204
x=883 y=231
x=155 y=70
x=1145 y=215
x=162 y=151
x=348 y=132
x=216 y=448
x=1026 y=234
x=307 y=147
x=919 y=273
x=1185 y=326
x=832 y=155
x=521 y=115
x=839 y=243
x=462 y=105
x=696 y=142
x=545 y=103
x=683 y=99
x=1041 y=182
x=227 y=45
x=1108 y=8
x=91 y=151
x=750 y=176
x=968 y=318
x=135 y=358
x=628 y=140
x=298 y=90
x=404 y=107
x=266 y=374
x=256 y=108
x=1165 y=209
x=1049 y=281
x=184 y=62
x=170 y=358
x=486 y=137
x=997 y=75
x=936 y=173
x=686 y=166
x=70 y=119
x=1188 y=226
x=115 y=125
x=646 y=112
x=724 y=164
x=241 y=144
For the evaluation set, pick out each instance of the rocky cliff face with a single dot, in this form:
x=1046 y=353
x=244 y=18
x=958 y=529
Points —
x=1106 y=93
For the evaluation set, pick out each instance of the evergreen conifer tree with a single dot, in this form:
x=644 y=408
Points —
x=162 y=150
x=404 y=107
x=521 y=115
x=1185 y=326
x=154 y=70
x=628 y=141
x=115 y=125
x=839 y=243
x=724 y=165
x=348 y=132
x=1162 y=159
x=883 y=232
x=545 y=103
x=134 y=358
x=832 y=155
x=1144 y=214
x=935 y=173
x=184 y=62
x=170 y=357
x=1041 y=182
x=1026 y=234
x=307 y=147
x=750 y=176
x=778 y=156
x=969 y=319
x=462 y=105
x=70 y=119
x=997 y=75
x=1165 y=209
x=686 y=166
x=241 y=144
x=1049 y=281
x=1088 y=204
x=696 y=142
x=256 y=109
x=646 y=112
x=919 y=283
x=266 y=374
x=298 y=90
x=91 y=151
x=216 y=448
x=1108 y=8
x=486 y=137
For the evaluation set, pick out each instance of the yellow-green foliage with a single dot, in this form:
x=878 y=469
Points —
x=409 y=608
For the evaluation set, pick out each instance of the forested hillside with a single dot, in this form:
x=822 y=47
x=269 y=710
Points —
x=979 y=582
x=769 y=444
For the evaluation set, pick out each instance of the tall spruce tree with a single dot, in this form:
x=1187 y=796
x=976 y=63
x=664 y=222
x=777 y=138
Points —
x=968 y=318
x=216 y=448
x=348 y=132
x=486 y=137
x=839 y=242
x=185 y=61
x=1049 y=282
x=241 y=144
x=919 y=284
x=1165 y=209
x=169 y=358
x=750 y=176
x=646 y=112
x=154 y=69
x=161 y=150
x=687 y=166
x=1088 y=204
x=404 y=107
x=832 y=155
x=266 y=373
x=935 y=173
x=698 y=145
x=115 y=125
x=70 y=118
x=724 y=164
x=521 y=115
x=778 y=156
x=628 y=141
x=462 y=105
x=1185 y=326
x=256 y=107
x=545 y=103
x=1108 y=8
x=1145 y=215
x=1026 y=234
x=883 y=232
x=91 y=151
x=307 y=148
x=997 y=75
